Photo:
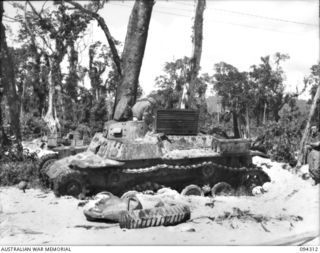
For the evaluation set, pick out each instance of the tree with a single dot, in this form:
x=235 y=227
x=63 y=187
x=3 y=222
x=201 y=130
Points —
x=230 y=85
x=100 y=62
x=197 y=36
x=91 y=10
x=268 y=81
x=171 y=84
x=60 y=29
x=9 y=85
x=132 y=56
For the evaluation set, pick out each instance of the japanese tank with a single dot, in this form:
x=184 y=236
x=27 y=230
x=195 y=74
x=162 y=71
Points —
x=62 y=147
x=126 y=156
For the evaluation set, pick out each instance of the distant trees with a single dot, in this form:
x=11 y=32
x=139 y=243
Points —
x=170 y=85
x=58 y=31
x=263 y=87
x=268 y=81
x=234 y=89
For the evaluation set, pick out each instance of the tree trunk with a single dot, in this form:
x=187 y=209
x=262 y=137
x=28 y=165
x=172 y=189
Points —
x=50 y=117
x=197 y=37
x=8 y=80
x=264 y=113
x=235 y=125
x=38 y=86
x=307 y=129
x=132 y=56
x=247 y=122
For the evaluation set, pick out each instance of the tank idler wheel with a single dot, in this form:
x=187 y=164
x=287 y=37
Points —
x=44 y=164
x=192 y=190
x=70 y=184
x=222 y=188
x=46 y=161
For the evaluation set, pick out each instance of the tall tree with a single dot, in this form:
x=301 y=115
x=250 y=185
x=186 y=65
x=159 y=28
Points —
x=132 y=56
x=197 y=37
x=8 y=82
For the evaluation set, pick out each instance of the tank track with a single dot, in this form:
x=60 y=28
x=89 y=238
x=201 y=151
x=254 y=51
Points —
x=158 y=216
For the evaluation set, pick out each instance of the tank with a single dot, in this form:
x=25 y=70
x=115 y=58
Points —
x=126 y=156
x=62 y=147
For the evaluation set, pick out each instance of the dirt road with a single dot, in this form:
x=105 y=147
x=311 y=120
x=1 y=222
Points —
x=290 y=207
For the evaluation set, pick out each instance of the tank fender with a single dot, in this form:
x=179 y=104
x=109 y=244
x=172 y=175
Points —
x=96 y=163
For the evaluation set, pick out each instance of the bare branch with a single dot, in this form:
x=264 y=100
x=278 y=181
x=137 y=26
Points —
x=29 y=30
x=105 y=29
x=43 y=6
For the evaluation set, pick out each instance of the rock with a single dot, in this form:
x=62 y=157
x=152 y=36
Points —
x=23 y=185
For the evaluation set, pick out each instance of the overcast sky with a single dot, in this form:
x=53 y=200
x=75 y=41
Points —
x=237 y=32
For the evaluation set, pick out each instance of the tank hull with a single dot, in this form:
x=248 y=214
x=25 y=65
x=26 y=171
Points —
x=118 y=164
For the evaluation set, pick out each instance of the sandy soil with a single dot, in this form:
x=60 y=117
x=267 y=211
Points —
x=290 y=207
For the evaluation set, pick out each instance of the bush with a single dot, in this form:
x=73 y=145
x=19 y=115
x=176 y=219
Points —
x=281 y=139
x=12 y=173
x=33 y=126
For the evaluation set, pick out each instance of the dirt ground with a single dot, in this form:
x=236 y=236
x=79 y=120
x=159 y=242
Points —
x=290 y=207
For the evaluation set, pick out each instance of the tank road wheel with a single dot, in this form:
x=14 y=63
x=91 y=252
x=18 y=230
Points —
x=222 y=188
x=207 y=171
x=157 y=216
x=192 y=190
x=70 y=184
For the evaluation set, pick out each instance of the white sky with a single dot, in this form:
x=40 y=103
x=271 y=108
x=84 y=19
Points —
x=237 y=32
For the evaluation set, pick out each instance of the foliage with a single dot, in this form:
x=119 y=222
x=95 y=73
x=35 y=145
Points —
x=12 y=173
x=281 y=139
x=170 y=85
x=33 y=126
x=230 y=85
